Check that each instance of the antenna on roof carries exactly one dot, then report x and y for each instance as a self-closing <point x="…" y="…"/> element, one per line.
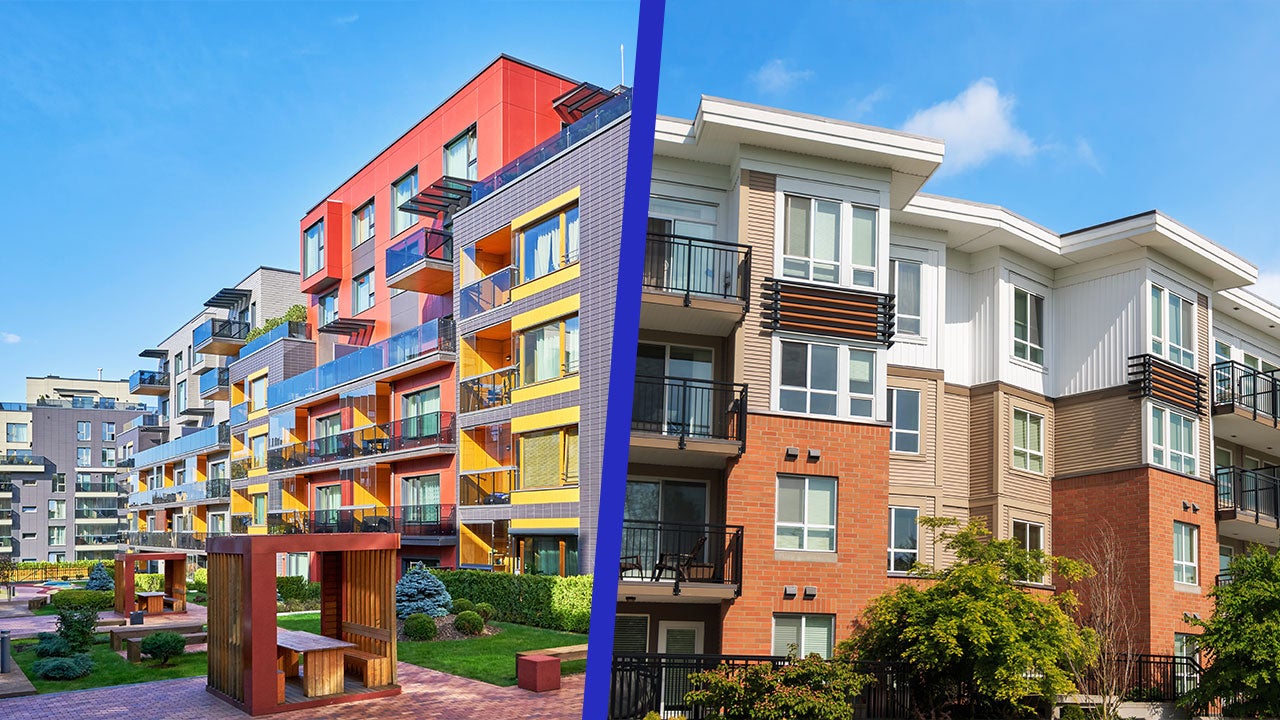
<point x="99" y="373"/>
<point x="622" y="55"/>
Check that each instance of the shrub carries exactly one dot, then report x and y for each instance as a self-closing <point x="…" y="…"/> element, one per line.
<point x="558" y="603"/>
<point x="148" y="582"/>
<point x="63" y="668"/>
<point x="418" y="591"/>
<point x="484" y="610"/>
<point x="51" y="645"/>
<point x="199" y="581"/>
<point x="469" y="623"/>
<point x="77" y="625"/>
<point x="291" y="587"/>
<point x="420" y="626"/>
<point x="163" y="646"/>
<point x="462" y="605"/>
<point x="96" y="599"/>
<point x="296" y="313"/>
<point x="100" y="579"/>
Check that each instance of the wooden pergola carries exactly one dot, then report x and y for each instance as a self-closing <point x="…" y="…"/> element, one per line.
<point x="175" y="583"/>
<point x="255" y="667"/>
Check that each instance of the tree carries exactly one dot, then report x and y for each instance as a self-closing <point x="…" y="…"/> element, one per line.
<point x="810" y="688"/>
<point x="77" y="625"/>
<point x="1107" y="609"/>
<point x="418" y="591"/>
<point x="977" y="639"/>
<point x="1241" y="642"/>
<point x="163" y="646"/>
<point x="8" y="569"/>
<point x="100" y="579"/>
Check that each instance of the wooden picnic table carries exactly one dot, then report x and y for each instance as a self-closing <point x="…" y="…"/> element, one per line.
<point x="152" y="603"/>
<point x="321" y="655"/>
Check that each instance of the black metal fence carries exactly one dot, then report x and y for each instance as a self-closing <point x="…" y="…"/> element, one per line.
<point x="696" y="553"/>
<point x="689" y="408"/>
<point x="1256" y="391"/>
<point x="1152" y="678"/>
<point x="1251" y="494"/>
<point x="421" y="431"/>
<point x="697" y="267"/>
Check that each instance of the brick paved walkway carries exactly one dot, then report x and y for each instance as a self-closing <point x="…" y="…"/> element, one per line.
<point x="22" y="624"/>
<point x="427" y="695"/>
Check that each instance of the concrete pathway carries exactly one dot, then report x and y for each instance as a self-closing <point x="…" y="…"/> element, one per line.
<point x="22" y="624"/>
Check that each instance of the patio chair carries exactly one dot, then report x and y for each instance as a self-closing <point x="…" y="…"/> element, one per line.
<point x="678" y="563"/>
<point x="629" y="563"/>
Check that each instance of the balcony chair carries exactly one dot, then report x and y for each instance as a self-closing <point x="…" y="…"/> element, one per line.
<point x="678" y="563"/>
<point x="629" y="563"/>
<point x="379" y="523"/>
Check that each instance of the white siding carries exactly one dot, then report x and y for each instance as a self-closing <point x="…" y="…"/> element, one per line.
<point x="959" y="324"/>
<point x="1100" y="325"/>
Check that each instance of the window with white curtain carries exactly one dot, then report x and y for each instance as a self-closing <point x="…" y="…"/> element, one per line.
<point x="313" y="249"/>
<point x="1173" y="334"/>
<point x="549" y="244"/>
<point x="806" y="513"/>
<point x="1173" y="440"/>
<point x="402" y="191"/>
<point x="549" y="351"/>
<point x="362" y="293"/>
<point x="1028" y="441"/>
<point x="904" y="285"/>
<point x="362" y="225"/>
<point x="460" y="156"/>
<point x="805" y="634"/>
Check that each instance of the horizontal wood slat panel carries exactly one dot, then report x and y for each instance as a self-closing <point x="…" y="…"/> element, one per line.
<point x="831" y="311"/>
<point x="1154" y="377"/>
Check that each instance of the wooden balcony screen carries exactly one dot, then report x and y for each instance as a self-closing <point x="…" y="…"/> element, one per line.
<point x="831" y="311"/>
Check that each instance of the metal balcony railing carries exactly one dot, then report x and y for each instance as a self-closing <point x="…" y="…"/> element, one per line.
<point x="423" y="244"/>
<point x="488" y="487"/>
<point x="430" y="429"/>
<point x="688" y="408"/>
<point x="218" y="329"/>
<point x="487" y="293"/>
<point x="1153" y="678"/>
<point x="1154" y="377"/>
<point x="697" y="267"/>
<point x="186" y="492"/>
<point x="1222" y="579"/>
<point x="493" y="389"/>
<point x="412" y="520"/>
<point x="702" y="553"/>
<point x="97" y="513"/>
<point x="1249" y="494"/>
<point x="1235" y="385"/>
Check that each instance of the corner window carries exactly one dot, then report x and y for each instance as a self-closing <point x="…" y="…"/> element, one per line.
<point x="328" y="308"/>
<point x="1186" y="540"/>
<point x="904" y="538"/>
<point x="313" y="249"/>
<point x="362" y="293"/>
<point x="805" y="514"/>
<point x="806" y="634"/>
<point x="1173" y="332"/>
<point x="829" y="242"/>
<point x="820" y="379"/>
<point x="548" y="245"/>
<point x="1028" y="326"/>
<point x="904" y="285"/>
<point x="904" y="416"/>
<point x="402" y="191"/>
<point x="1028" y="441"/>
<point x="362" y="226"/>
<point x="460" y="156"/>
<point x="84" y="430"/>
<point x="549" y="351"/>
<point x="1173" y="440"/>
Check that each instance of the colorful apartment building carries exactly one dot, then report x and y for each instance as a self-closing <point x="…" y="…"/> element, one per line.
<point x="827" y="353"/>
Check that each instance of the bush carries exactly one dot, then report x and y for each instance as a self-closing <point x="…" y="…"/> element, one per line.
<point x="462" y="605"/>
<point x="100" y="579"/>
<point x="418" y="591"/>
<point x="199" y="581"/>
<point x="297" y="605"/>
<point x="63" y="668"/>
<point x="469" y="623"/>
<point x="77" y="626"/>
<point x="96" y="599"/>
<point x="291" y="587"/>
<point x="163" y="646"/>
<point x="51" y="645"/>
<point x="484" y="610"/>
<point x="420" y="626"/>
<point x="296" y="313"/>
<point x="558" y="603"/>
<point x="148" y="582"/>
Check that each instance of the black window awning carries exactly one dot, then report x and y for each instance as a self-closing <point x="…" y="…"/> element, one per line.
<point x="227" y="298"/>
<point x="345" y="326"/>
<point x="441" y="197"/>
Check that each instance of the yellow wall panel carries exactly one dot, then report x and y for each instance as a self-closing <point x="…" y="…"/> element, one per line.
<point x="545" y="495"/>
<point x="550" y="280"/>
<point x="548" y="419"/>
<point x="543" y="523"/>
<point x="546" y="389"/>
<point x="545" y="209"/>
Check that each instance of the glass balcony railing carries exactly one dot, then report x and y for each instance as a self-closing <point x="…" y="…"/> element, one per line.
<point x="208" y="438"/>
<point x="430" y="337"/>
<point x="148" y="379"/>
<point x="94" y="403"/>
<point x="425" y="244"/>
<point x="488" y="487"/>
<point x="97" y="487"/>
<point x="215" y="380"/>
<point x="488" y="293"/>
<point x="430" y="429"/>
<point x="186" y="492"/>
<point x="147" y="420"/>
<point x="492" y="389"/>
<point x="111" y="538"/>
<point x="23" y="460"/>
<point x="216" y="329"/>
<point x="291" y="329"/>
<point x="97" y="513"/>
<point x="239" y="414"/>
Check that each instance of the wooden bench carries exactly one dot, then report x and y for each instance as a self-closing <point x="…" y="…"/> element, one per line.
<point x="564" y="654"/>
<point x="37" y="602"/>
<point x="112" y="622"/>
<point x="119" y="635"/>
<point x="374" y="670"/>
<point x="133" y="645"/>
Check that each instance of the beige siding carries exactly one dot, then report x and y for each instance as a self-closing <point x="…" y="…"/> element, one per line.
<point x="1098" y="432"/>
<point x="756" y="229"/>
<point x="919" y="468"/>
<point x="955" y="456"/>
<point x="982" y="432"/>
<point x="1023" y="488"/>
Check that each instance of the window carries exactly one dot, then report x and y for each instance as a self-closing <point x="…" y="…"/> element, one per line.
<point x="218" y="470"/>
<point x="362" y="224"/>
<point x="814" y="241"/>
<point x="402" y="191"/>
<point x="810" y="379"/>
<point x="1187" y="671"/>
<point x="549" y="245"/>
<point x="1186" y="541"/>
<point x="421" y="491"/>
<point x="258" y="446"/>
<point x="108" y="457"/>
<point x="57" y="557"/>
<point x="59" y="482"/>
<point x="1028" y="441"/>
<point x="260" y="507"/>
<point x="217" y="523"/>
<point x="178" y="365"/>
<point x="460" y="156"/>
<point x="328" y="308"/>
<point x="313" y="249"/>
<point x="297" y="564"/>
<point x="57" y="509"/>
<point x="84" y="430"/>
<point x="1028" y="326"/>
<point x="180" y="475"/>
<point x="904" y="416"/>
<point x="84" y="481"/>
<point x="108" y="432"/>
<point x="806" y="513"/>
<point x="549" y="458"/>
<point x="258" y="394"/>
<point x="1173" y="332"/>
<point x="549" y="555"/>
<point x="420" y="413"/>
<point x="904" y="538"/>
<point x="904" y="285"/>
<point x="806" y="634"/>
<point x="1173" y="440"/>
<point x="1221" y="351"/>
<point x="180" y="396"/>
<point x="57" y="535"/>
<point x="1029" y="536"/>
<point x="544" y="356"/>
<point x="84" y="457"/>
<point x="28" y="508"/>
<point x="17" y="432"/>
<point x="631" y="633"/>
<point x="362" y="293"/>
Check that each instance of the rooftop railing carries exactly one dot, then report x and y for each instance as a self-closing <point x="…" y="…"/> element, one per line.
<point x="487" y="293"/>
<point x="697" y="267"/>
<point x="423" y="244"/>
<point x="208" y="438"/>
<point x="290" y="329"/>
<point x="94" y="403"/>
<point x="421" y="431"/>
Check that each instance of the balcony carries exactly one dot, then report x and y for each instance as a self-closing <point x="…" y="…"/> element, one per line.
<point x="697" y="563"/>
<point x="682" y="421"/>
<point x="240" y="523"/>
<point x="219" y="337"/>
<point x="216" y="490"/>
<point x="411" y="521"/>
<point x="215" y="385"/>
<point x="210" y="438"/>
<point x="422" y="262"/>
<point x="289" y="329"/>
<point x="431" y="338"/>
<point x="694" y="286"/>
<point x="13" y="462"/>
<point x="829" y="311"/>
<point x="99" y="513"/>
<point x="98" y="488"/>
<point x="1247" y="504"/>
<point x="492" y="291"/>
<point x="1245" y="403"/>
<point x="89" y="539"/>
<point x="149" y="382"/>
<point x="486" y="391"/>
<point x="433" y="430"/>
<point x="146" y="421"/>
<point x="239" y="414"/>
<point x="487" y="487"/>
<point x="240" y="468"/>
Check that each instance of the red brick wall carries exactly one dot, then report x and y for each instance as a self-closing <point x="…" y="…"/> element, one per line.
<point x="858" y="455"/>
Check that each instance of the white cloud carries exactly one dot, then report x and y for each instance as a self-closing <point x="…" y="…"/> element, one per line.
<point x="977" y="126"/>
<point x="776" y="76"/>
<point x="346" y="19"/>
<point x="1084" y="151"/>
<point x="858" y="108"/>
<point x="9" y="338"/>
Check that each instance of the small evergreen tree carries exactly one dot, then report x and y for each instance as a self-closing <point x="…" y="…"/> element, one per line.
<point x="163" y="646"/>
<point x="100" y="579"/>
<point x="418" y="591"/>
<point x="77" y="625"/>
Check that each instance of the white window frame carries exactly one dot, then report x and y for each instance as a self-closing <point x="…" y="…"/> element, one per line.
<point x="896" y="432"/>
<point x="1193" y="565"/>
<point x="804" y="525"/>
<point x="1028" y="347"/>
<point x="108" y="431"/>
<point x="1027" y="452"/>
<point x="801" y="651"/>
<point x="1161" y="298"/>
<point x="846" y="269"/>
<point x="1185" y="678"/>
<point x="893" y="527"/>
<point x="1160" y="436"/>
<point x="895" y="266"/>
<point x="84" y="430"/>
<point x="1013" y="534"/>
<point x="468" y="137"/>
<point x="844" y="395"/>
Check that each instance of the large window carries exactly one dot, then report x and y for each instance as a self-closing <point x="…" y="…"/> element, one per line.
<point x="904" y="416"/>
<point x="57" y="509"/>
<point x="420" y="491"/>
<point x="328" y="308"/>
<point x="806" y="513"/>
<point x="362" y="226"/>
<point x="258" y="394"/>
<point x="1186" y="541"/>
<point x="904" y="538"/>
<point x="549" y="458"/>
<point x="403" y="191"/>
<point x="549" y="245"/>
<point x="460" y="156"/>
<point x="829" y="242"/>
<point x="1173" y="321"/>
<point x="362" y="293"/>
<point x="420" y="413"/>
<point x="904" y="284"/>
<point x="313" y="249"/>
<point x="17" y="432"/>
<point x="822" y="379"/>
<point x="549" y="351"/>
<point x="57" y="535"/>
<point x="180" y="396"/>
<point x="549" y="555"/>
<point x="1028" y="326"/>
<point x="1173" y="440"/>
<point x="806" y="634"/>
<point x="1028" y="441"/>
<point x="84" y="430"/>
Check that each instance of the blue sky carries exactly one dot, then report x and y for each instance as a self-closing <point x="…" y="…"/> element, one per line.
<point x="1068" y="113"/>
<point x="152" y="153"/>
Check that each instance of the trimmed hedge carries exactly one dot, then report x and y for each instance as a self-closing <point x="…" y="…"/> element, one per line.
<point x="547" y="601"/>
<point x="148" y="582"/>
<point x="43" y="565"/>
<point x="96" y="599"/>
<point x="199" y="582"/>
<point x="484" y="610"/>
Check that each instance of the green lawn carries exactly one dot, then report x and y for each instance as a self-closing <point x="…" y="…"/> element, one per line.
<point x="111" y="669"/>
<point x="491" y="658"/>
